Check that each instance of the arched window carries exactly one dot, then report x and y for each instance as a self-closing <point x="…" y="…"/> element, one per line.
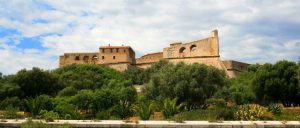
<point x="182" y="50"/>
<point x="114" y="57"/>
<point x="95" y="58"/>
<point x="193" y="47"/>
<point x="86" y="59"/>
<point x="77" y="57"/>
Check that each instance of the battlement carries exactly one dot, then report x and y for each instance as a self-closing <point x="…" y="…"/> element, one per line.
<point x="204" y="51"/>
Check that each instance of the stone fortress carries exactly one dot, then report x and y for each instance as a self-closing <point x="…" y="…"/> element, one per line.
<point x="121" y="58"/>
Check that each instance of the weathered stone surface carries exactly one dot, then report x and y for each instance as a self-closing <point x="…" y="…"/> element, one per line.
<point x="204" y="51"/>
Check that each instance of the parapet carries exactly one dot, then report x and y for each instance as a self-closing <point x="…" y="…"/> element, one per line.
<point x="175" y="44"/>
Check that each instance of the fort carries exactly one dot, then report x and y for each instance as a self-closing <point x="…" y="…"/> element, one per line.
<point x="121" y="58"/>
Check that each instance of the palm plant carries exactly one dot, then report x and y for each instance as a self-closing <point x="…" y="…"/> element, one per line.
<point x="123" y="109"/>
<point x="144" y="110"/>
<point x="170" y="107"/>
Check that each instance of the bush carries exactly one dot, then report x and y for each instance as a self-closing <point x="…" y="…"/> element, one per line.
<point x="49" y="116"/>
<point x="34" y="124"/>
<point x="275" y="109"/>
<point x="144" y="110"/>
<point x="11" y="112"/>
<point x="103" y="115"/>
<point x="123" y="109"/>
<point x="170" y="108"/>
<point x="250" y="112"/>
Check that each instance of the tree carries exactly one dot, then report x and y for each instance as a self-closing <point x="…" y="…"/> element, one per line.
<point x="0" y="75"/>
<point x="241" y="88"/>
<point x="35" y="105"/>
<point x="137" y="75"/>
<point x="277" y="83"/>
<point x="192" y="84"/>
<point x="36" y="82"/>
<point x="87" y="76"/>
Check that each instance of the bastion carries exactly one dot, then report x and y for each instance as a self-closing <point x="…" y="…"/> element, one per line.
<point x="203" y="51"/>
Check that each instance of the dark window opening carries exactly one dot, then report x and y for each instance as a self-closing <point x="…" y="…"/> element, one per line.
<point x="193" y="47"/>
<point x="103" y="57"/>
<point x="111" y="50"/>
<point x="124" y="50"/>
<point x="182" y="50"/>
<point x="114" y="57"/>
<point x="77" y="57"/>
<point x="86" y="59"/>
<point x="103" y="50"/>
<point x="117" y="50"/>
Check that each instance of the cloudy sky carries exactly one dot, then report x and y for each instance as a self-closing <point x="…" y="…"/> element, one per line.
<point x="33" y="33"/>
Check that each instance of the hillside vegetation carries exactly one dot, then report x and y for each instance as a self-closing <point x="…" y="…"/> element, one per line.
<point x="177" y="92"/>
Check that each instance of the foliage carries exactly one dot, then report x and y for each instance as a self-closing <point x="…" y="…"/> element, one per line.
<point x="277" y="83"/>
<point x="64" y="107"/>
<point x="250" y="112"/>
<point x="8" y="88"/>
<point x="10" y="101"/>
<point x="49" y="116"/>
<point x="82" y="77"/>
<point x="192" y="84"/>
<point x="137" y="75"/>
<point x="38" y="124"/>
<point x="170" y="107"/>
<point x="36" y="82"/>
<point x="275" y="109"/>
<point x="123" y="109"/>
<point x="241" y="89"/>
<point x="35" y="105"/>
<point x="11" y="112"/>
<point x="144" y="109"/>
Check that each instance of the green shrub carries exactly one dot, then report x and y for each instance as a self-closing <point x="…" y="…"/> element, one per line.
<point x="39" y="124"/>
<point x="250" y="112"/>
<point x="11" y="112"/>
<point x="123" y="109"/>
<point x="144" y="110"/>
<point x="49" y="116"/>
<point x="170" y="108"/>
<point x="68" y="117"/>
<point x="103" y="115"/>
<point x="225" y="113"/>
<point x="275" y="109"/>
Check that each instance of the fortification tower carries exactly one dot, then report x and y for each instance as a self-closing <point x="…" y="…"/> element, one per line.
<point x="117" y="57"/>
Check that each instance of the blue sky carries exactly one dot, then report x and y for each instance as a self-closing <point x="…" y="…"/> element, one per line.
<point x="33" y="33"/>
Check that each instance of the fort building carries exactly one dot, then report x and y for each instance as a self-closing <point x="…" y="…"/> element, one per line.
<point x="121" y="58"/>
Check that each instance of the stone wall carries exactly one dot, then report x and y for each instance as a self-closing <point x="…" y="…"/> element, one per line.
<point x="116" y="54"/>
<point x="78" y="58"/>
<point x="120" y="66"/>
<point x="203" y="51"/>
<point x="234" y="67"/>
<point x="201" y="48"/>
<point x="147" y="60"/>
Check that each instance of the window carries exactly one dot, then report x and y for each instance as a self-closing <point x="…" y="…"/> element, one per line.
<point x="193" y="47"/>
<point x="124" y="50"/>
<point x="114" y="57"/>
<point x="102" y="50"/>
<point x="103" y="57"/>
<point x="86" y="59"/>
<point x="77" y="57"/>
<point x="111" y="50"/>
<point x="117" y="50"/>
<point x="182" y="50"/>
<point x="94" y="58"/>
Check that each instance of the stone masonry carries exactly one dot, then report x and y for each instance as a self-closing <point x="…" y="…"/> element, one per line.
<point x="203" y="51"/>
